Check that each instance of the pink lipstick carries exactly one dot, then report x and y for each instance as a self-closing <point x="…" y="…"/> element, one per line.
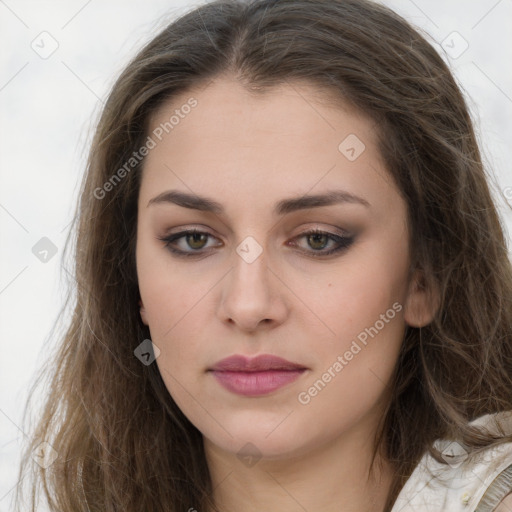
<point x="256" y="376"/>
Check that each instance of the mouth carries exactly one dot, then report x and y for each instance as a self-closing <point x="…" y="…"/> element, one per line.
<point x="257" y="376"/>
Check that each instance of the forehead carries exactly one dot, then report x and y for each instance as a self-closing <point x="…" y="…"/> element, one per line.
<point x="236" y="111"/>
<point x="293" y="138"/>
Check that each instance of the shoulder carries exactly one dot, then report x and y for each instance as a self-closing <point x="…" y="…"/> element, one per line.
<point x="476" y="483"/>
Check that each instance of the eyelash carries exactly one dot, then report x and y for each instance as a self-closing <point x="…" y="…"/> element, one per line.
<point x="344" y="242"/>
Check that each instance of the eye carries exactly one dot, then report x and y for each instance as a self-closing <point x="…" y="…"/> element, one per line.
<point x="319" y="240"/>
<point x="181" y="243"/>
<point x="192" y="239"/>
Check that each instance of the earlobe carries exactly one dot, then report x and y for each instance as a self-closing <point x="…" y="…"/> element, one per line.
<point x="422" y="302"/>
<point x="143" y="313"/>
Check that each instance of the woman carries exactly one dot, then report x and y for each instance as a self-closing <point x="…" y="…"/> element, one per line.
<point x="293" y="288"/>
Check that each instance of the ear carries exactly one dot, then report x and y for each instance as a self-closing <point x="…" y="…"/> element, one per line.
<point x="143" y="313"/>
<point x="422" y="301"/>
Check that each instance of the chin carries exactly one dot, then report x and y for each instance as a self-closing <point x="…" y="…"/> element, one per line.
<point x="254" y="440"/>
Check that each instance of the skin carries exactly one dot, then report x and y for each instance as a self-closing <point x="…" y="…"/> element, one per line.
<point x="505" y="505"/>
<point x="248" y="153"/>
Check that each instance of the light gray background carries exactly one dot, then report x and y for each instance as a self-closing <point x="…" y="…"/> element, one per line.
<point x="49" y="106"/>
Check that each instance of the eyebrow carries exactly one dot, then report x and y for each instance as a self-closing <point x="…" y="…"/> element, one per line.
<point x="195" y="202"/>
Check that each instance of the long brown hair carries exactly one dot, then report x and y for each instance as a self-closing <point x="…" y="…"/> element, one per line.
<point x="122" y="442"/>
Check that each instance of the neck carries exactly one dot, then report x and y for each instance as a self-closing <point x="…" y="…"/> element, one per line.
<point x="331" y="477"/>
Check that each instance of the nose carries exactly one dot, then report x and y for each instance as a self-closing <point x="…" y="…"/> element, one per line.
<point x="253" y="295"/>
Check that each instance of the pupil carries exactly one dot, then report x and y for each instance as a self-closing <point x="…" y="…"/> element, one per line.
<point x="196" y="238"/>
<point x="317" y="238"/>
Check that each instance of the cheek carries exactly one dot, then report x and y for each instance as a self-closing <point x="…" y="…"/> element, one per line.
<point x="177" y="324"/>
<point x="363" y="307"/>
<point x="172" y="301"/>
<point x="355" y="299"/>
<point x="354" y="367"/>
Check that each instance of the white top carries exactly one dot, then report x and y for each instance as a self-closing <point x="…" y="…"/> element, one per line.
<point x="465" y="483"/>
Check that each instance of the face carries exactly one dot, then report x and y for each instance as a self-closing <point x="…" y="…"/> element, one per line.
<point x="319" y="283"/>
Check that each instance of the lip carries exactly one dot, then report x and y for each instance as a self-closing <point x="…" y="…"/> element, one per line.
<point x="263" y="362"/>
<point x="255" y="376"/>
